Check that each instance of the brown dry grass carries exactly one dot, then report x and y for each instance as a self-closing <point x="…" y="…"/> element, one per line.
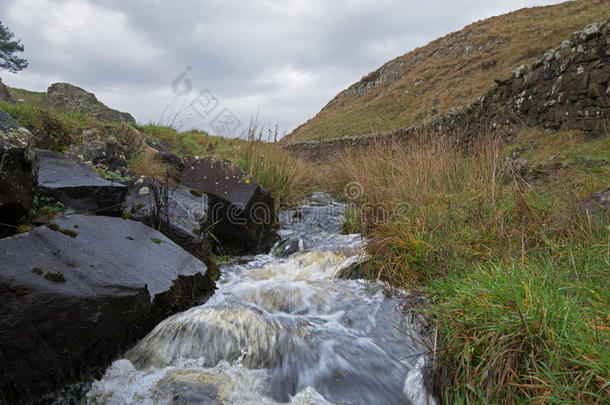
<point x="147" y="164"/>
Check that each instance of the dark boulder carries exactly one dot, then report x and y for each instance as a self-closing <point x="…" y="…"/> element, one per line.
<point x="16" y="185"/>
<point x="77" y="293"/>
<point x="5" y="95"/>
<point x="96" y="147"/>
<point x="66" y="97"/>
<point x="242" y="212"/>
<point x="179" y="214"/>
<point x="171" y="160"/>
<point x="286" y="247"/>
<point x="76" y="185"/>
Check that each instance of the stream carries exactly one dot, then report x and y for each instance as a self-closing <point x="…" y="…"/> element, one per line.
<point x="282" y="330"/>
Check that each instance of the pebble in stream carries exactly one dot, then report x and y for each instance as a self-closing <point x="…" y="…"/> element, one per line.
<point x="280" y="330"/>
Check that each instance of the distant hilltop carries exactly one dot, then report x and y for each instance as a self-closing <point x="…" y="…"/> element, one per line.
<point x="449" y="72"/>
<point x="65" y="97"/>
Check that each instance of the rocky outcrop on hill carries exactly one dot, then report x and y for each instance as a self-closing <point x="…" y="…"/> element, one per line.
<point x="242" y="212"/>
<point x="79" y="291"/>
<point x="566" y="88"/>
<point x="16" y="184"/>
<point x="66" y="97"/>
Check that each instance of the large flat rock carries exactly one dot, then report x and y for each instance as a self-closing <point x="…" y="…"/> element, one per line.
<point x="241" y="210"/>
<point x="76" y="185"/>
<point x="77" y="293"/>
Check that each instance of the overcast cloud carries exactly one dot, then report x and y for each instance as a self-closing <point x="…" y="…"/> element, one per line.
<point x="283" y="58"/>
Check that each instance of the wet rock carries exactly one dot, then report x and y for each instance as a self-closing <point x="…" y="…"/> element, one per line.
<point x="287" y="247"/>
<point x="74" y="297"/>
<point x="16" y="184"/>
<point x="171" y="160"/>
<point x="355" y="271"/>
<point x="179" y="214"/>
<point x="187" y="392"/>
<point x="66" y="97"/>
<point x="76" y="185"/>
<point x="242" y="212"/>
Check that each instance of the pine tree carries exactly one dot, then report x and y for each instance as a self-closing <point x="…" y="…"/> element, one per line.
<point x="8" y="47"/>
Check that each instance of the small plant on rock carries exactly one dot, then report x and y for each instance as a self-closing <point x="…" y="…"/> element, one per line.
<point x="113" y="175"/>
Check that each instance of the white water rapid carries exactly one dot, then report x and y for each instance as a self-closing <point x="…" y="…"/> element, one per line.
<point x="281" y="330"/>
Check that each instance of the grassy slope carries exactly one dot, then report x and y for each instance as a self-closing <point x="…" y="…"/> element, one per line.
<point x="518" y="280"/>
<point x="30" y="97"/>
<point x="287" y="178"/>
<point x="450" y="71"/>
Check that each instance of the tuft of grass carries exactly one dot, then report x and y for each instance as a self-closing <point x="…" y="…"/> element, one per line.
<point x="536" y="331"/>
<point x="517" y="274"/>
<point x="288" y="179"/>
<point x="146" y="164"/>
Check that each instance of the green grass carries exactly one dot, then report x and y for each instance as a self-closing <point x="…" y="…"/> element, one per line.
<point x="568" y="146"/>
<point x="34" y="98"/>
<point x="196" y="143"/>
<point x="536" y="331"/>
<point x="62" y="127"/>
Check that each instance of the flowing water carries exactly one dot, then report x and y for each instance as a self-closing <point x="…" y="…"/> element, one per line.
<point x="281" y="330"/>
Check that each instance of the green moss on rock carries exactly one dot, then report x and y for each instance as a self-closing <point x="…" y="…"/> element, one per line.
<point x="55" y="277"/>
<point x="69" y="232"/>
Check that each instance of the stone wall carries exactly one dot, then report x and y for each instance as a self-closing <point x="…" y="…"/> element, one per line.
<point x="566" y="88"/>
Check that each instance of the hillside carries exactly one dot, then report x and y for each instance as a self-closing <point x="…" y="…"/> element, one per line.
<point x="448" y="72"/>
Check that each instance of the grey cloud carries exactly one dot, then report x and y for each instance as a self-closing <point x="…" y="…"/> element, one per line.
<point x="284" y="58"/>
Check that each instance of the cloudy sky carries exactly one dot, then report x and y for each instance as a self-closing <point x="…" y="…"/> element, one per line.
<point x="187" y="62"/>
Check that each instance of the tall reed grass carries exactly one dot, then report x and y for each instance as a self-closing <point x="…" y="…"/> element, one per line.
<point x="289" y="179"/>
